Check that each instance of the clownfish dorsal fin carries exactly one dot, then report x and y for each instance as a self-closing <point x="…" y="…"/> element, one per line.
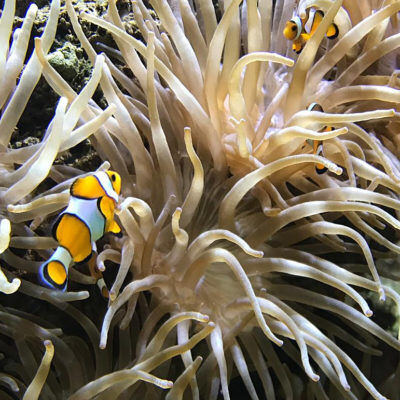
<point x="87" y="187"/>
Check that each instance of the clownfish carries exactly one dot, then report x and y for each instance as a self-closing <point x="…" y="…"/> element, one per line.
<point x="295" y="29"/>
<point x="317" y="144"/>
<point x="88" y="216"/>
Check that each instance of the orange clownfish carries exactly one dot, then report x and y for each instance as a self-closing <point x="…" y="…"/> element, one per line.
<point x="295" y="29"/>
<point x="317" y="144"/>
<point x="88" y="216"/>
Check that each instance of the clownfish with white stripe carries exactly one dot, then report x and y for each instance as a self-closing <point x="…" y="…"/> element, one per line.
<point x="317" y="144"/>
<point x="88" y="216"/>
<point x="295" y="29"/>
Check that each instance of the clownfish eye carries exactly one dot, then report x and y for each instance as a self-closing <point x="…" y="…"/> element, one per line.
<point x="113" y="178"/>
<point x="294" y="27"/>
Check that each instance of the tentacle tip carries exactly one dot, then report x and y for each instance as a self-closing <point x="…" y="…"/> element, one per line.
<point x="368" y="313"/>
<point x="205" y="318"/>
<point x="346" y="387"/>
<point x="382" y="295"/>
<point x="258" y="254"/>
<point x="112" y="295"/>
<point x="315" y="377"/>
<point x="278" y="342"/>
<point x="33" y="8"/>
<point x="336" y="170"/>
<point x="102" y="346"/>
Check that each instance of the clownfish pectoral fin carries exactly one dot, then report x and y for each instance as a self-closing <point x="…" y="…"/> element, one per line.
<point x="106" y="206"/>
<point x="54" y="272"/>
<point x="297" y="47"/>
<point x="87" y="187"/>
<point x="115" y="228"/>
<point x="298" y="44"/>
<point x="73" y="234"/>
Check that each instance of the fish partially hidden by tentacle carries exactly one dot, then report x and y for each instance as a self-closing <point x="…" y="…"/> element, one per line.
<point x="317" y="144"/>
<point x="88" y="216"/>
<point x="97" y="274"/>
<point x="295" y="29"/>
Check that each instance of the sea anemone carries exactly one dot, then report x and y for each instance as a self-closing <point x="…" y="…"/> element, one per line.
<point x="238" y="257"/>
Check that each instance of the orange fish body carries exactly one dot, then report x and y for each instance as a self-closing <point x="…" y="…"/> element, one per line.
<point x="295" y="29"/>
<point x="88" y="216"/>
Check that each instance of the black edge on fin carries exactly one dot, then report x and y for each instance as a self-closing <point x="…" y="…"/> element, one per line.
<point x="55" y="226"/>
<point x="321" y="171"/>
<point x="117" y="234"/>
<point x="44" y="278"/>
<point x="85" y="260"/>
<point x="336" y="34"/>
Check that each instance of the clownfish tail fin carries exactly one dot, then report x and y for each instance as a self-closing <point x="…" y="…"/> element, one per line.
<point x="333" y="31"/>
<point x="54" y="272"/>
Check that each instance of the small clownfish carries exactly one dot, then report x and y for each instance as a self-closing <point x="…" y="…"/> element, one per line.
<point x="88" y="216"/>
<point x="317" y="144"/>
<point x="295" y="29"/>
